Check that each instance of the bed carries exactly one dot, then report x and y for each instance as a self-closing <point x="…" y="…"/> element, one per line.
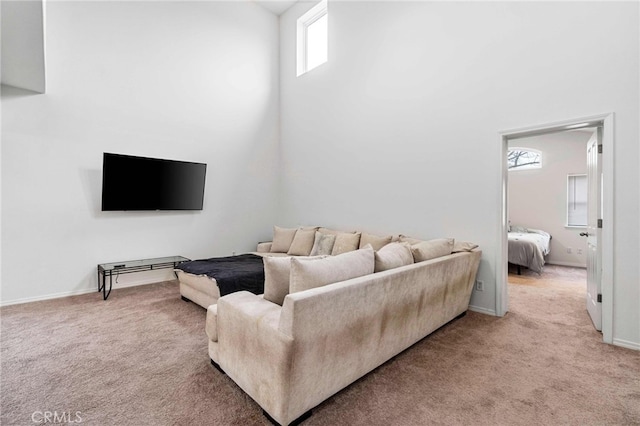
<point x="528" y="247"/>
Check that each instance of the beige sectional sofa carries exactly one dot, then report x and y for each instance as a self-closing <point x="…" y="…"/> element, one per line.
<point x="325" y="321"/>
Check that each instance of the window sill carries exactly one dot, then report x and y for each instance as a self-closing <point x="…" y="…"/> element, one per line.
<point x="576" y="226"/>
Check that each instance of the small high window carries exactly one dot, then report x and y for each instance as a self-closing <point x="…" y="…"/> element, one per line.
<point x="577" y="200"/>
<point x="313" y="38"/>
<point x="524" y="158"/>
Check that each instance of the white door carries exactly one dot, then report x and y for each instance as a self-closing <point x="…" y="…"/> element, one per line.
<point x="594" y="230"/>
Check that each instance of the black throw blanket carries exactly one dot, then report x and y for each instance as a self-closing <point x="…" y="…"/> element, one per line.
<point x="234" y="273"/>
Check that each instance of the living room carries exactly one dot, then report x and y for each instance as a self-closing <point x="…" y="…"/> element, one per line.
<point x="399" y="131"/>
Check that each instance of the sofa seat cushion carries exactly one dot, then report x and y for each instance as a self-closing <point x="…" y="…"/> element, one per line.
<point x="307" y="273"/>
<point x="393" y="255"/>
<point x="262" y="254"/>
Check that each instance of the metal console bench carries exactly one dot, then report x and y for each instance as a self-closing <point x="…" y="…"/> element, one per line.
<point x="108" y="269"/>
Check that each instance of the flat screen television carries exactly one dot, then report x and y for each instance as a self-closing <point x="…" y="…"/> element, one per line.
<point x="142" y="183"/>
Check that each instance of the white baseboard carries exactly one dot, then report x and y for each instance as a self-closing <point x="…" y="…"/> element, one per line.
<point x="482" y="310"/>
<point x="152" y="278"/>
<point x="627" y="344"/>
<point x="573" y="265"/>
<point x="47" y="297"/>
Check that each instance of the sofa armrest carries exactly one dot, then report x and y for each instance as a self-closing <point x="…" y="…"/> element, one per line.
<point x="211" y="325"/>
<point x="264" y="247"/>
<point x="250" y="307"/>
<point x="253" y="352"/>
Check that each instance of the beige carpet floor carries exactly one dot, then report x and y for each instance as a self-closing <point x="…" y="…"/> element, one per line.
<point x="140" y="358"/>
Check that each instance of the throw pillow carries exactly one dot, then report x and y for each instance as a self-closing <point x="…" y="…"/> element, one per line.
<point x="328" y="231"/>
<point x="431" y="249"/>
<point x="346" y="242"/>
<point x="277" y="271"/>
<point x="282" y="238"/>
<point x="410" y="240"/>
<point x="460" y="246"/>
<point x="302" y="242"/>
<point x="323" y="244"/>
<point x="307" y="273"/>
<point x="519" y="229"/>
<point x="376" y="242"/>
<point x="276" y="278"/>
<point x="393" y="255"/>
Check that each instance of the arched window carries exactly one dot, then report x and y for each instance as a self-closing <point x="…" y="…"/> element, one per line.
<point x="524" y="158"/>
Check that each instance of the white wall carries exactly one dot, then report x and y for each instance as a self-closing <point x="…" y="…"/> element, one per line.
<point x="23" y="45"/>
<point x="538" y="197"/>
<point x="194" y="81"/>
<point x="398" y="132"/>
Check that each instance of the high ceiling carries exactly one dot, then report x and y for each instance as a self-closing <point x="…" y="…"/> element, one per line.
<point x="276" y="7"/>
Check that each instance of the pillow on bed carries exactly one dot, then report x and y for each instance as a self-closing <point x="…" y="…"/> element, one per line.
<point x="282" y="238"/>
<point x="518" y="228"/>
<point x="431" y="249"/>
<point x="307" y="273"/>
<point x="393" y="255"/>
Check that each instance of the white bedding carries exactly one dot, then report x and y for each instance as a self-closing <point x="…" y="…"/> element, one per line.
<point x="528" y="247"/>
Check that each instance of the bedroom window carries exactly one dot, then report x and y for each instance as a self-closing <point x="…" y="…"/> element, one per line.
<point x="577" y="200"/>
<point x="312" y="38"/>
<point x="524" y="158"/>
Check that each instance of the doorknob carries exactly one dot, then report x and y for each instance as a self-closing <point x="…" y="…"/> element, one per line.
<point x="584" y="234"/>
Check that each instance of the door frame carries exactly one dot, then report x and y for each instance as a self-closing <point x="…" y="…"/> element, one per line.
<point x="606" y="122"/>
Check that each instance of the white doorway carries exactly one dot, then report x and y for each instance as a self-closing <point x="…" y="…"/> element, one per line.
<point x="604" y="237"/>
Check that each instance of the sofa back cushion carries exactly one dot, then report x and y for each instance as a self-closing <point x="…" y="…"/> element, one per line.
<point x="393" y="255"/>
<point x="307" y="273"/>
<point x="431" y="249"/>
